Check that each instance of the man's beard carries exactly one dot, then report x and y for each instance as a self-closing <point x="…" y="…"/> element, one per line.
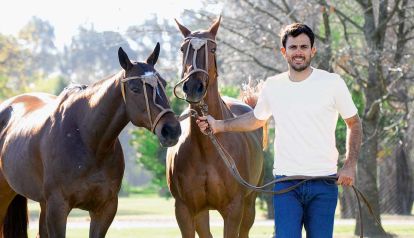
<point x="300" y="68"/>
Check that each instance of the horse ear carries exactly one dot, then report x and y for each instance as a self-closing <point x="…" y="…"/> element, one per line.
<point x="123" y="59"/>
<point x="214" y="28"/>
<point x="152" y="59"/>
<point x="183" y="29"/>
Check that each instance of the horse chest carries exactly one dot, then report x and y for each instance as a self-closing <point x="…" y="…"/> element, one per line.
<point x="205" y="187"/>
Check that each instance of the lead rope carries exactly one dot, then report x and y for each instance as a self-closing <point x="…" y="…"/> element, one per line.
<point x="231" y="165"/>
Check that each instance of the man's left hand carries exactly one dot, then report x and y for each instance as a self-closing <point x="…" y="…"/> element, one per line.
<point x="346" y="176"/>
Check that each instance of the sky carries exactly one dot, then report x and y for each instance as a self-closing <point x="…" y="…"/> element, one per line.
<point x="66" y="16"/>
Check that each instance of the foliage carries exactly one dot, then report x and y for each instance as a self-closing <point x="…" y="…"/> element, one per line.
<point x="230" y="90"/>
<point x="38" y="36"/>
<point x="93" y="55"/>
<point x="5" y="91"/>
<point x="340" y="132"/>
<point x="149" y="155"/>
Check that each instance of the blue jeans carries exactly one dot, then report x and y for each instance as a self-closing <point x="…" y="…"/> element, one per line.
<point x="311" y="205"/>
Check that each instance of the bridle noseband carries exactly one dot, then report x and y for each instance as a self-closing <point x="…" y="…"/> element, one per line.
<point x="196" y="43"/>
<point x="153" y="80"/>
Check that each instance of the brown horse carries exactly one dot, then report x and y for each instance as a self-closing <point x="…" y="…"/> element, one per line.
<point x="64" y="151"/>
<point x="197" y="177"/>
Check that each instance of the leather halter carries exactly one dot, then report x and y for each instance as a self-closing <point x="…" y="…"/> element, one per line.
<point x="153" y="80"/>
<point x="196" y="43"/>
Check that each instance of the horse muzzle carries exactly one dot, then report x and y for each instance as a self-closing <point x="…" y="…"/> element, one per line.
<point x="195" y="88"/>
<point x="168" y="130"/>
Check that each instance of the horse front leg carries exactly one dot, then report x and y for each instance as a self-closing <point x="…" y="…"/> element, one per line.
<point x="232" y="216"/>
<point x="102" y="217"/>
<point x="42" y="222"/>
<point x="185" y="219"/>
<point x="249" y="213"/>
<point x="57" y="211"/>
<point x="202" y="222"/>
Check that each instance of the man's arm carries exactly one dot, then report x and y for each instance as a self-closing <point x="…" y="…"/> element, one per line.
<point x="245" y="122"/>
<point x="346" y="175"/>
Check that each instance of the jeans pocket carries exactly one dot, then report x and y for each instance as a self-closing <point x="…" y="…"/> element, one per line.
<point x="329" y="182"/>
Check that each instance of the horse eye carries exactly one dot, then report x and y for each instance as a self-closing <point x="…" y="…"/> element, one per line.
<point x="182" y="49"/>
<point x="134" y="87"/>
<point x="213" y="50"/>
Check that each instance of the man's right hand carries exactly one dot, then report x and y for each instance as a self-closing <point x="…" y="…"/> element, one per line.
<point x="208" y="122"/>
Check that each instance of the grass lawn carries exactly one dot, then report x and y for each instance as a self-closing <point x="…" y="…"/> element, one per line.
<point x="158" y="213"/>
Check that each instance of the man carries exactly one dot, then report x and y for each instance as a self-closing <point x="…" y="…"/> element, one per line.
<point x="304" y="102"/>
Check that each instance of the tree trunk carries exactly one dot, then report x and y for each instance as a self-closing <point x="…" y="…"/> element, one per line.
<point x="388" y="187"/>
<point x="407" y="197"/>
<point x="396" y="184"/>
<point x="404" y="183"/>
<point x="367" y="179"/>
<point x="348" y="203"/>
<point x="374" y="33"/>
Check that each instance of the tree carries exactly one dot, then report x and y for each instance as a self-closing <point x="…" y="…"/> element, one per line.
<point x="38" y="37"/>
<point x="154" y="30"/>
<point x="12" y="65"/>
<point x="92" y="55"/>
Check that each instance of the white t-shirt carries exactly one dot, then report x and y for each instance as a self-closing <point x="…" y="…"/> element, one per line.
<point x="305" y="115"/>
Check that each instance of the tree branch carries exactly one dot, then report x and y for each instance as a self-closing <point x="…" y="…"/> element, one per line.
<point x="246" y="38"/>
<point x="255" y="59"/>
<point x="343" y="15"/>
<point x="272" y="16"/>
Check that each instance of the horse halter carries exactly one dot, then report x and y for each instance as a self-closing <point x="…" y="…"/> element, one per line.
<point x="196" y="43"/>
<point x="153" y="80"/>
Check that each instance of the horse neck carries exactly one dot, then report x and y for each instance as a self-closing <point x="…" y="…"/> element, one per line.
<point x="106" y="115"/>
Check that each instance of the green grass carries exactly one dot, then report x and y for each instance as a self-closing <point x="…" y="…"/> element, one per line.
<point x="256" y="232"/>
<point x="155" y="233"/>
<point x="149" y="207"/>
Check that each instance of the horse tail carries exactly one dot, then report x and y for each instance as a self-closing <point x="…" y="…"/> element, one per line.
<point x="5" y="116"/>
<point x="16" y="219"/>
<point x="249" y="95"/>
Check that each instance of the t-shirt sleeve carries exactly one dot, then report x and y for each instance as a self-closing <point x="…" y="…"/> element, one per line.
<point x="262" y="110"/>
<point x="343" y="100"/>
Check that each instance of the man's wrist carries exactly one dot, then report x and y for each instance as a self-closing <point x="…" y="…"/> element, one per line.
<point x="221" y="126"/>
<point x="350" y="163"/>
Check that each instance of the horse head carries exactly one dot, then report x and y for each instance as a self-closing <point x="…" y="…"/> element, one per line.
<point x="199" y="61"/>
<point x="146" y="102"/>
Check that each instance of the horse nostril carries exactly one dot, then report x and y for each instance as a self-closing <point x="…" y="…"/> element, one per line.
<point x="185" y="87"/>
<point x="200" y="88"/>
<point x="169" y="131"/>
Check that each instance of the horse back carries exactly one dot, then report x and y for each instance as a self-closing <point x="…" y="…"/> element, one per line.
<point x="22" y="112"/>
<point x="238" y="108"/>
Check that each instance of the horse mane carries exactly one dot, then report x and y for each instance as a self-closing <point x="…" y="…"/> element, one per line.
<point x="71" y="89"/>
<point x="249" y="95"/>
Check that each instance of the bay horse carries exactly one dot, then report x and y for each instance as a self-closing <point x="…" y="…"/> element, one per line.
<point x="64" y="152"/>
<point x="197" y="177"/>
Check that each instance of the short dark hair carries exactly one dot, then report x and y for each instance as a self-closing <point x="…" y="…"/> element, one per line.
<point x="294" y="30"/>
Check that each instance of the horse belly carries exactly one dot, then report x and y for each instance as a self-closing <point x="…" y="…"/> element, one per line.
<point x="94" y="193"/>
<point x="22" y="170"/>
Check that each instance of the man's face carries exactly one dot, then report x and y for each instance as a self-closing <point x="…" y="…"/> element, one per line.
<point x="298" y="52"/>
